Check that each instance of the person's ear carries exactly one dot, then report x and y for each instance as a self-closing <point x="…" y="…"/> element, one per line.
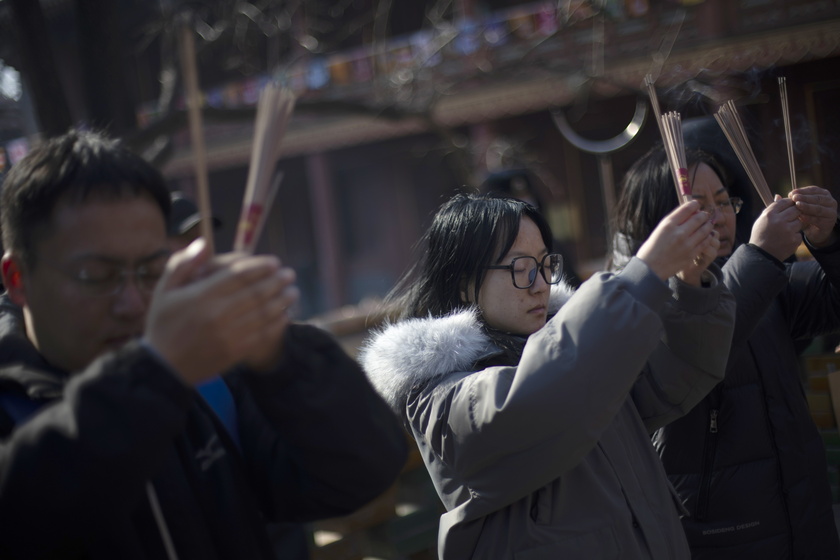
<point x="10" y="268"/>
<point x="464" y="291"/>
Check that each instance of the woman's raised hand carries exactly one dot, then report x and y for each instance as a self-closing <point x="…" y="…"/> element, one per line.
<point x="684" y="242"/>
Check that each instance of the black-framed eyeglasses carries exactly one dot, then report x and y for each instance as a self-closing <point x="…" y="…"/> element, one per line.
<point x="734" y="203"/>
<point x="523" y="270"/>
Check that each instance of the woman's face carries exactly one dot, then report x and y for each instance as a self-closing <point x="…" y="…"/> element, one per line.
<point x="707" y="188"/>
<point x="506" y="307"/>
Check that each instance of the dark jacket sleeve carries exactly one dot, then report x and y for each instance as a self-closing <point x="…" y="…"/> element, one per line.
<point x="812" y="300"/>
<point x="807" y="292"/>
<point x="87" y="455"/>
<point x="317" y="440"/>
<point x="755" y="279"/>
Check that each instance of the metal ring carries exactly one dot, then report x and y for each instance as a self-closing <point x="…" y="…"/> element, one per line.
<point x="601" y="147"/>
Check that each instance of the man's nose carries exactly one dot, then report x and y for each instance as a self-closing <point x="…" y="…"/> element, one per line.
<point x="130" y="299"/>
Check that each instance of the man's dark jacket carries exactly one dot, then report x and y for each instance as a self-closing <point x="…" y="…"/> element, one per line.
<point x="82" y="477"/>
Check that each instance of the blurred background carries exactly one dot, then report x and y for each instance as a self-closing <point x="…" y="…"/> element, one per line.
<point x="402" y="103"/>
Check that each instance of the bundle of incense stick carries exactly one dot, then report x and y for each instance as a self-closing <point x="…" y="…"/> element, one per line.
<point x="670" y="128"/>
<point x="788" y="133"/>
<point x="730" y="122"/>
<point x="672" y="138"/>
<point x="274" y="108"/>
<point x="263" y="218"/>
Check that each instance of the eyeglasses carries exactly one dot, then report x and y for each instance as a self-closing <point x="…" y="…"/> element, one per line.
<point x="523" y="270"/>
<point x="734" y="203"/>
<point x="103" y="278"/>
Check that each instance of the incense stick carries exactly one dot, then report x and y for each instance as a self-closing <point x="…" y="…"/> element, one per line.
<point x="271" y="194"/>
<point x="730" y="122"/>
<point x="788" y="132"/>
<point x="274" y="108"/>
<point x="186" y="45"/>
<point x="670" y="129"/>
<point x="675" y="149"/>
<point x="654" y="103"/>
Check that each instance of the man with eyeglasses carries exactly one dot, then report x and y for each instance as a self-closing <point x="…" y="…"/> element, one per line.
<point x="108" y="451"/>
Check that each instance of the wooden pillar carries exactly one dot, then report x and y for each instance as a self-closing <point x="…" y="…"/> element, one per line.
<point x="605" y="172"/>
<point x="481" y="138"/>
<point x="39" y="68"/>
<point x="325" y="229"/>
<point x="578" y="200"/>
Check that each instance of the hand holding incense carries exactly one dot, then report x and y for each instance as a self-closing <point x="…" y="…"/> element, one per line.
<point x="274" y="109"/>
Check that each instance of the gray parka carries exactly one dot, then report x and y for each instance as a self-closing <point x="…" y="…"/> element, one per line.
<point x="552" y="458"/>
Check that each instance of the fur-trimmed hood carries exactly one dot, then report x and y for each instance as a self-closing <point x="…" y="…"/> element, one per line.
<point x="401" y="355"/>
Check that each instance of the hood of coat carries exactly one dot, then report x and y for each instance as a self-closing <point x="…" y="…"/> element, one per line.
<point x="402" y="355"/>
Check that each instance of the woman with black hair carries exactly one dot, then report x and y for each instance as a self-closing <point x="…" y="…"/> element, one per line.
<point x="531" y="405"/>
<point x="748" y="461"/>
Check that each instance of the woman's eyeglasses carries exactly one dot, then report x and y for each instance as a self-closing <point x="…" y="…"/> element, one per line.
<point x="733" y="203"/>
<point x="523" y="270"/>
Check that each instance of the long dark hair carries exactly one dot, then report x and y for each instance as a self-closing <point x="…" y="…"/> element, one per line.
<point x="648" y="194"/>
<point x="468" y="233"/>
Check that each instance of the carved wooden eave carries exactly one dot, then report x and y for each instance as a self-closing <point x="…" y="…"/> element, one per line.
<point x="722" y="58"/>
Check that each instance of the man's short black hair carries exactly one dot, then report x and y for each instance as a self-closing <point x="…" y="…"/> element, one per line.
<point x="77" y="165"/>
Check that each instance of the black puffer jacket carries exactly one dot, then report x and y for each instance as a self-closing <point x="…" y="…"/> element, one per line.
<point x="748" y="460"/>
<point x="77" y="479"/>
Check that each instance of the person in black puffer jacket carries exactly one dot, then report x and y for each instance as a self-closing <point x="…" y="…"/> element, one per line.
<point x="748" y="460"/>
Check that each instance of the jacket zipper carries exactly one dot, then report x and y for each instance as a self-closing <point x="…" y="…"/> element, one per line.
<point x="713" y="428"/>
<point x="709" y="449"/>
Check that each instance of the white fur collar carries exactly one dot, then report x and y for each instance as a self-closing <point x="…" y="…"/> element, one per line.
<point x="401" y="355"/>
